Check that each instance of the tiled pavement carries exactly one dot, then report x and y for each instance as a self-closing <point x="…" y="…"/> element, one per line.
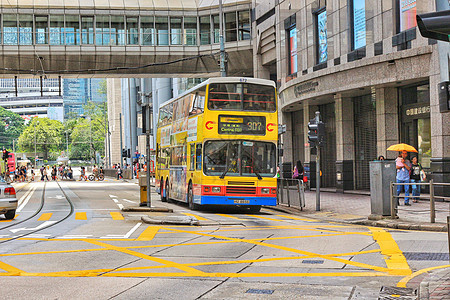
<point x="436" y="286"/>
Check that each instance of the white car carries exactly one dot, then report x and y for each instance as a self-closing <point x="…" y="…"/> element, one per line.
<point x="8" y="200"/>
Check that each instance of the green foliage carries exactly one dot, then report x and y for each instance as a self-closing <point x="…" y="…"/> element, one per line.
<point x="11" y="127"/>
<point x="47" y="133"/>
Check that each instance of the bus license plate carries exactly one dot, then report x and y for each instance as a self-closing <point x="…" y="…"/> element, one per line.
<point x="241" y="201"/>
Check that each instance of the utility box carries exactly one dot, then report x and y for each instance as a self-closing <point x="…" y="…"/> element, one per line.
<point x="143" y="189"/>
<point x="382" y="173"/>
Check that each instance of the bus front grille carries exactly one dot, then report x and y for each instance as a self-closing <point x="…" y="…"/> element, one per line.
<point x="240" y="190"/>
<point x="241" y="183"/>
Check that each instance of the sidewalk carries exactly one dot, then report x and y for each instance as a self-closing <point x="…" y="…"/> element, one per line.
<point x="351" y="208"/>
<point x="436" y="285"/>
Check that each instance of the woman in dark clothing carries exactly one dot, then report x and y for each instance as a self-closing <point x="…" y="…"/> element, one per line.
<point x="415" y="175"/>
<point x="298" y="170"/>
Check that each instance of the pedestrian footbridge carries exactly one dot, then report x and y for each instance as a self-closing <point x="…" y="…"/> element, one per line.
<point x="123" y="38"/>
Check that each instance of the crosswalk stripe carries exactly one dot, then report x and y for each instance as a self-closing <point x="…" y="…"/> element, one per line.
<point x="45" y="217"/>
<point x="265" y="218"/>
<point x="232" y="217"/>
<point x="80" y="216"/>
<point x="195" y="216"/>
<point x="116" y="215"/>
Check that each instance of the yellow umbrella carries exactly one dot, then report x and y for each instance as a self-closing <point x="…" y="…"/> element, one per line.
<point x="402" y="147"/>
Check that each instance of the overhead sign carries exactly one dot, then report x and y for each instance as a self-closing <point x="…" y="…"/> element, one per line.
<point x="242" y="125"/>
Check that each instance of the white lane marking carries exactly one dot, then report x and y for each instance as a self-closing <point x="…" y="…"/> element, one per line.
<point x="65" y="210"/>
<point x="3" y="235"/>
<point x="45" y="224"/>
<point x="70" y="236"/>
<point x="112" y="196"/>
<point x="120" y="206"/>
<point x="115" y="200"/>
<point x="125" y="236"/>
<point x="59" y="197"/>
<point x="129" y="201"/>
<point x="25" y="202"/>
<point x="132" y="230"/>
<point x="26" y="194"/>
<point x="36" y="235"/>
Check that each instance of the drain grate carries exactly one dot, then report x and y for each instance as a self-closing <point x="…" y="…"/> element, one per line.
<point x="397" y="293"/>
<point x="426" y="256"/>
<point x="311" y="261"/>
<point x="258" y="291"/>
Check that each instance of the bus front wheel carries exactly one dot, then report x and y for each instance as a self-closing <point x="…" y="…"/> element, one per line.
<point x="254" y="208"/>
<point x="192" y="205"/>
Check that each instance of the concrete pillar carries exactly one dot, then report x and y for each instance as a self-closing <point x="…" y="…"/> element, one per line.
<point x="306" y="118"/>
<point x="114" y="102"/>
<point x="345" y="143"/>
<point x="286" y="119"/>
<point x="387" y="120"/>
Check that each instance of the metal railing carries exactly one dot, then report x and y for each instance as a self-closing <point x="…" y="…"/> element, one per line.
<point x="432" y="197"/>
<point x="291" y="192"/>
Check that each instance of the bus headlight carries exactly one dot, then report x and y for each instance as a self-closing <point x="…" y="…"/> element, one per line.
<point x="216" y="189"/>
<point x="265" y="191"/>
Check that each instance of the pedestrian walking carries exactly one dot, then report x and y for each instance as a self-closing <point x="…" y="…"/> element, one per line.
<point x="119" y="173"/>
<point x="54" y="172"/>
<point x="417" y="175"/>
<point x="297" y="173"/>
<point x="403" y="166"/>
<point x="32" y="174"/>
<point x="83" y="174"/>
<point x="44" y="174"/>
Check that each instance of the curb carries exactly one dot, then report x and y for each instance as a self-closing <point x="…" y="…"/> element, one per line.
<point x="147" y="209"/>
<point x="379" y="222"/>
<point x="174" y="220"/>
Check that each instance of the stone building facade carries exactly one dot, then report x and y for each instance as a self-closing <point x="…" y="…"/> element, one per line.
<point x="364" y="65"/>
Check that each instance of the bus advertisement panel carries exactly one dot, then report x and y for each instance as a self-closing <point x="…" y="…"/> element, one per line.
<point x="216" y="144"/>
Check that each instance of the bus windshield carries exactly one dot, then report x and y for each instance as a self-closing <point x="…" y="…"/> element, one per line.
<point x="241" y="96"/>
<point x="239" y="158"/>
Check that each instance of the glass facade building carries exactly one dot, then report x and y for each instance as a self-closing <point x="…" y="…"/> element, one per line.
<point x="78" y="92"/>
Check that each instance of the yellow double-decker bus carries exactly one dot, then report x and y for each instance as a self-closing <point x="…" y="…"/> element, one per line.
<point x="216" y="144"/>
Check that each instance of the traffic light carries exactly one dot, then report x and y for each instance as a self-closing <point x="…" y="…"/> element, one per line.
<point x="129" y="153"/>
<point x="5" y="154"/>
<point x="435" y="25"/>
<point x="313" y="136"/>
<point x="124" y="152"/>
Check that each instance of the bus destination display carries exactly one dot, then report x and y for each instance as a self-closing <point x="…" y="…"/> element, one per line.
<point x="242" y="125"/>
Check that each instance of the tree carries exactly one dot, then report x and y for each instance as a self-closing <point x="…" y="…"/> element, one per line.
<point x="11" y="127"/>
<point x="49" y="136"/>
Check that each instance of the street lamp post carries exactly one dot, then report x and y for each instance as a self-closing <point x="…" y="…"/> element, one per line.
<point x="35" y="160"/>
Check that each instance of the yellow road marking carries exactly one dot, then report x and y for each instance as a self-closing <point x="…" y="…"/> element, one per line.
<point x="115" y="215"/>
<point x="395" y="261"/>
<point x="189" y="271"/>
<point x="295" y="218"/>
<point x="148" y="234"/>
<point x="80" y="216"/>
<point x="228" y="216"/>
<point x="265" y="218"/>
<point x="195" y="216"/>
<point x="12" y="271"/>
<point x="55" y="252"/>
<point x="405" y="280"/>
<point x="348" y="262"/>
<point x="45" y="217"/>
<point x="15" y="216"/>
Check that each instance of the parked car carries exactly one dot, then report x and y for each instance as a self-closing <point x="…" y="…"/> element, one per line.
<point x="8" y="200"/>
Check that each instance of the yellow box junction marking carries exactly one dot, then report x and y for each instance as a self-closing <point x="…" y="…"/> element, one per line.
<point x="395" y="260"/>
<point x="195" y="216"/>
<point x="148" y="234"/>
<point x="265" y="218"/>
<point x="231" y="217"/>
<point x="116" y="215"/>
<point x="45" y="217"/>
<point x="296" y="218"/>
<point x="80" y="216"/>
<point x="12" y="271"/>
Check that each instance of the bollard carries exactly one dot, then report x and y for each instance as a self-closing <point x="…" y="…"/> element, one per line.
<point x="143" y="199"/>
<point x="391" y="189"/>
<point x="432" y="207"/>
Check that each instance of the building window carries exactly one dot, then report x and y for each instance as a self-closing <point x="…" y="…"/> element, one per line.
<point x="72" y="29"/>
<point x="216" y="24"/>
<point x="147" y="31"/>
<point x="87" y="30"/>
<point x="10" y="29"/>
<point x="162" y="29"/>
<point x="25" y="29"/>
<point x="230" y="27"/>
<point x="190" y="31"/>
<point x="132" y="31"/>
<point x="102" y="33"/>
<point x="359" y="24"/>
<point x="244" y="25"/>
<point x="322" y="43"/>
<point x="175" y="31"/>
<point x="117" y="31"/>
<point x="41" y="23"/>
<point x="292" y="45"/>
<point x="407" y="14"/>
<point x="205" y="30"/>
<point x="57" y="30"/>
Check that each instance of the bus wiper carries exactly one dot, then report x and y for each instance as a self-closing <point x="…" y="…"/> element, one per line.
<point x="224" y="173"/>
<point x="257" y="174"/>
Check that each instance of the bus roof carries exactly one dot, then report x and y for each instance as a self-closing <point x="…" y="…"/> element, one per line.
<point x="222" y="80"/>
